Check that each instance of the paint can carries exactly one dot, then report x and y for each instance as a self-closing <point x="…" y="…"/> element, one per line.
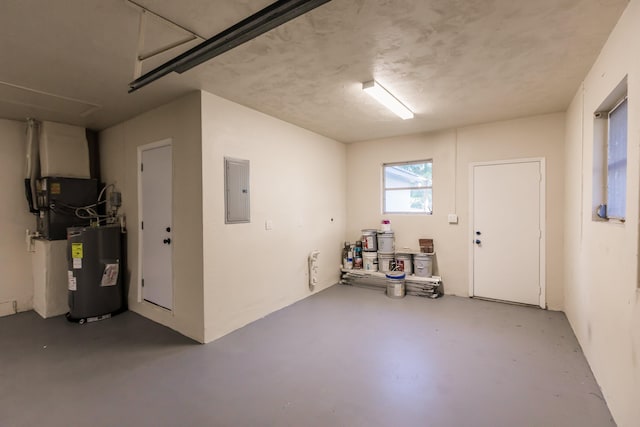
<point x="369" y="240"/>
<point x="395" y="284"/>
<point x="404" y="262"/>
<point x="347" y="256"/>
<point x="386" y="262"/>
<point x="385" y="242"/>
<point x="385" y="225"/>
<point x="347" y="262"/>
<point x="370" y="261"/>
<point x="357" y="256"/>
<point x="423" y="265"/>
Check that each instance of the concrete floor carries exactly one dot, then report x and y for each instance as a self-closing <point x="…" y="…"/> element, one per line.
<point x="344" y="357"/>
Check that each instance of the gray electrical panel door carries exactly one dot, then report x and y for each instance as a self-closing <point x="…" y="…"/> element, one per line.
<point x="236" y="190"/>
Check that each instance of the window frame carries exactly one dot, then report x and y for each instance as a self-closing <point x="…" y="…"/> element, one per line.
<point x="385" y="189"/>
<point x="601" y="159"/>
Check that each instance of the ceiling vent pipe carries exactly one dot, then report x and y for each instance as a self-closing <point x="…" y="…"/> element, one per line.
<point x="32" y="163"/>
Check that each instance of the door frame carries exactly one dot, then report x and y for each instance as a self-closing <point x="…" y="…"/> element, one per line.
<point x="543" y="224"/>
<point x="158" y="144"/>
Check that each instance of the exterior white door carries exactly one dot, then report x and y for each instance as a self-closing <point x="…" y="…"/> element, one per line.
<point x="507" y="229"/>
<point x="155" y="225"/>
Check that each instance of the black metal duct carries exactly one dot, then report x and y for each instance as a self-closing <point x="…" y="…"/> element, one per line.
<point x="249" y="28"/>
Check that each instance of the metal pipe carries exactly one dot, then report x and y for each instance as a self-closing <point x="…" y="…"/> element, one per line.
<point x="175" y="24"/>
<point x="249" y="28"/>
<point x="165" y="48"/>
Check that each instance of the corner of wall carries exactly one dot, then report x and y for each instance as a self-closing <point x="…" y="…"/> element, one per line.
<point x="16" y="291"/>
<point x="297" y="184"/>
<point x="181" y="121"/>
<point x="602" y="301"/>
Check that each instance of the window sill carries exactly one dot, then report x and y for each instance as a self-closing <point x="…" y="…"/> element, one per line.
<point x="408" y="213"/>
<point x="608" y="220"/>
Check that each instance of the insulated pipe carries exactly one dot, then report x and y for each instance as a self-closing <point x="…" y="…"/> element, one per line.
<point x="32" y="163"/>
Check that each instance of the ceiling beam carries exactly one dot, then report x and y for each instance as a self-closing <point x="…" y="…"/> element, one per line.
<point x="249" y="28"/>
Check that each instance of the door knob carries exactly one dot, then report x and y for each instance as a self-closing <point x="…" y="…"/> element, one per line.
<point x="168" y="229"/>
<point x="478" y="241"/>
<point x="167" y="241"/>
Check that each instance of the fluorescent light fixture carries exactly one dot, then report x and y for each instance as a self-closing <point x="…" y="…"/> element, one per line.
<point x="385" y="98"/>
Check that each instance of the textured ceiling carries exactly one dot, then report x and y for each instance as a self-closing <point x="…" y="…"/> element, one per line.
<point x="453" y="62"/>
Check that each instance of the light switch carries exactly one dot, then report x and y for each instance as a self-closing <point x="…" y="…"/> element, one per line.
<point x="453" y="218"/>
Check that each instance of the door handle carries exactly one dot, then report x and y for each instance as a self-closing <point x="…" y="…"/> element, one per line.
<point x="477" y="242"/>
<point x="167" y="241"/>
<point x="478" y="233"/>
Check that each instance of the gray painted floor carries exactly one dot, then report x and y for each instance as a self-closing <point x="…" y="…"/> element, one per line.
<point x="344" y="357"/>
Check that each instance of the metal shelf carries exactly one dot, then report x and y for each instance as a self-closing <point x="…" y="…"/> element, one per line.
<point x="434" y="280"/>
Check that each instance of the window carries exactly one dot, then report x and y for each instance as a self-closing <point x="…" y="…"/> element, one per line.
<point x="617" y="162"/>
<point x="610" y="156"/>
<point x="407" y="187"/>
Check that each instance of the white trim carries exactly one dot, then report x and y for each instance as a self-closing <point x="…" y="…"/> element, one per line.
<point x="141" y="148"/>
<point x="470" y="226"/>
<point x="543" y="223"/>
<point x="543" y="233"/>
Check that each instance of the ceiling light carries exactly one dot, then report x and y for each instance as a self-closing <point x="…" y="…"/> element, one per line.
<point x="385" y="98"/>
<point x="249" y="28"/>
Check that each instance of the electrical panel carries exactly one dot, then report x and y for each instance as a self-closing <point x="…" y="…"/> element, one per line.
<point x="58" y="200"/>
<point x="236" y="191"/>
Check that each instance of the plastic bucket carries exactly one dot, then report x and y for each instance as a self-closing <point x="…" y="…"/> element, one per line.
<point x="370" y="261"/>
<point x="395" y="284"/>
<point x="386" y="262"/>
<point x="423" y="265"/>
<point x="404" y="262"/>
<point x="369" y="240"/>
<point x="385" y="242"/>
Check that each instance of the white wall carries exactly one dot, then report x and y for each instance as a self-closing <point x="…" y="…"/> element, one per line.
<point x="180" y="121"/>
<point x="602" y="300"/>
<point x="298" y="182"/>
<point x="50" y="278"/>
<point x="15" y="261"/>
<point x="452" y="152"/>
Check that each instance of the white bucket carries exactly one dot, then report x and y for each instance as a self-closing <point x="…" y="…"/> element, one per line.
<point x="386" y="262"/>
<point x="369" y="240"/>
<point x="423" y="265"/>
<point x="370" y="261"/>
<point x="395" y="284"/>
<point x="385" y="242"/>
<point x="403" y="263"/>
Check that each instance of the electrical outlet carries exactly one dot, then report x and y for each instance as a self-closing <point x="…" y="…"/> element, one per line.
<point x="452" y="218"/>
<point x="268" y="225"/>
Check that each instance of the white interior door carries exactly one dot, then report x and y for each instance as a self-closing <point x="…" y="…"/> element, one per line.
<point x="155" y="226"/>
<point x="507" y="232"/>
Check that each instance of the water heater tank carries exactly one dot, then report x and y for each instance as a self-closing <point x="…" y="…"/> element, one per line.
<point x="94" y="272"/>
